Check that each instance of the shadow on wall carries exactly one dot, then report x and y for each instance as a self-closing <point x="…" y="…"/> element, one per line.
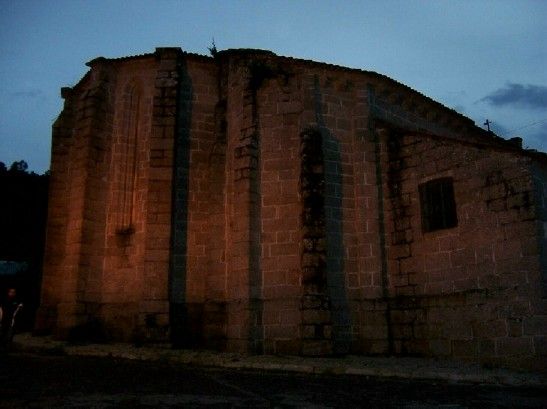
<point x="336" y="280"/>
<point x="256" y="307"/>
<point x="539" y="173"/>
<point x="185" y="323"/>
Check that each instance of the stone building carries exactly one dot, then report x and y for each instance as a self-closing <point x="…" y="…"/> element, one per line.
<point x="252" y="202"/>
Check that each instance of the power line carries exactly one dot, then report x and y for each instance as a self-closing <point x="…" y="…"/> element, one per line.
<point x="526" y="126"/>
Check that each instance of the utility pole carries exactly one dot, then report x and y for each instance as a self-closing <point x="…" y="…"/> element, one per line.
<point x="487" y="123"/>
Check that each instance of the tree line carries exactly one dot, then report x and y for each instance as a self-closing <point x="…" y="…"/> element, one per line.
<point x="23" y="215"/>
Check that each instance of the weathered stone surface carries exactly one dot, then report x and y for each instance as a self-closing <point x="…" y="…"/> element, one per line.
<point x="252" y="202"/>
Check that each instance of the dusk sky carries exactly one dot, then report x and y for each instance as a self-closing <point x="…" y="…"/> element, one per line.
<point x="486" y="59"/>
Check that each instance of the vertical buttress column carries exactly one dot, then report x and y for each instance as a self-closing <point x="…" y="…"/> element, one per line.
<point x="164" y="289"/>
<point x="315" y="307"/>
<point x="55" y="252"/>
<point x="245" y="329"/>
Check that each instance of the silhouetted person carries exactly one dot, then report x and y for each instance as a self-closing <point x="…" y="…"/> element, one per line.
<point x="9" y="308"/>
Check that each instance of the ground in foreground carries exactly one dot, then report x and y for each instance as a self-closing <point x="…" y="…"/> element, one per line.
<point x="38" y="381"/>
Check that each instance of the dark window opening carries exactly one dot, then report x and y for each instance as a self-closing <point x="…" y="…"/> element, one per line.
<point x="438" y="205"/>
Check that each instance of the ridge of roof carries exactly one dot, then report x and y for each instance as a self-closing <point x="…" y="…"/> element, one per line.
<point x="489" y="136"/>
<point x="299" y="60"/>
<point x="347" y="69"/>
<point x="118" y="59"/>
<point x="380" y="76"/>
<point x="242" y="51"/>
<point x="144" y="55"/>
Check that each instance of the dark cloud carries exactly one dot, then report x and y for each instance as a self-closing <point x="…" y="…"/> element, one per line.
<point x="519" y="95"/>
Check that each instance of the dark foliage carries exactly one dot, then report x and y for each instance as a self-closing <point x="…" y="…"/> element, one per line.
<point x="23" y="213"/>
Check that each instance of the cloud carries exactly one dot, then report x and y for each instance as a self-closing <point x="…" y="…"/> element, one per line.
<point x="519" y="95"/>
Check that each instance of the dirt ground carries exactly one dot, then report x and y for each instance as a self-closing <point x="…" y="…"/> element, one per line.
<point x="46" y="381"/>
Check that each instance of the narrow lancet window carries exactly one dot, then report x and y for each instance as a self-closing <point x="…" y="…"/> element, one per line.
<point x="128" y="149"/>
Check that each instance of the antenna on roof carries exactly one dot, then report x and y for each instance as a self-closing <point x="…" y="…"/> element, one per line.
<point x="487" y="123"/>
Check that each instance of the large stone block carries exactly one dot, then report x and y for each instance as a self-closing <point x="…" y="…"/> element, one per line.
<point x="514" y="346"/>
<point x="536" y="325"/>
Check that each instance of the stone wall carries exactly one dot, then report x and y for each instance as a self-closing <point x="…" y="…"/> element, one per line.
<point x="258" y="203"/>
<point x="107" y="249"/>
<point x="198" y="271"/>
<point x="472" y="291"/>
